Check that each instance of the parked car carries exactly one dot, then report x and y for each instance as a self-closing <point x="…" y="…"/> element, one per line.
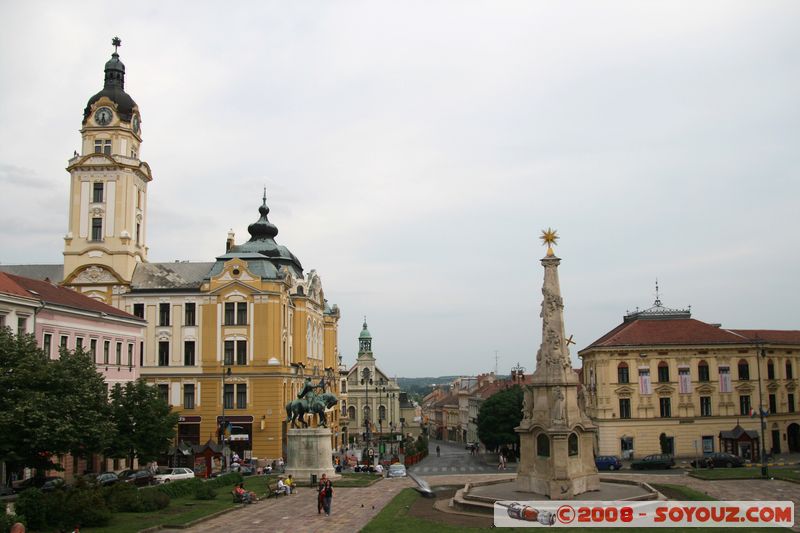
<point x="608" y="462"/>
<point x="54" y="484"/>
<point x="718" y="459"/>
<point x="140" y="478"/>
<point x="397" y="470"/>
<point x="173" y="474"/>
<point x="32" y="482"/>
<point x="106" y="479"/>
<point x="123" y="474"/>
<point x="659" y="460"/>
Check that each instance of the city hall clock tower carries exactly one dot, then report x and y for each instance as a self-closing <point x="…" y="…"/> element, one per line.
<point x="106" y="236"/>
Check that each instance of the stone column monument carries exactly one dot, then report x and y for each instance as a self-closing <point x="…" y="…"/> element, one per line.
<point x="556" y="435"/>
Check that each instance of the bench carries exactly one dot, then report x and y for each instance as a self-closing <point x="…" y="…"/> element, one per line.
<point x="272" y="491"/>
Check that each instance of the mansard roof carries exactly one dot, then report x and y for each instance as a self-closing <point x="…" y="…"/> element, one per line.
<point x="54" y="273"/>
<point x="169" y="276"/>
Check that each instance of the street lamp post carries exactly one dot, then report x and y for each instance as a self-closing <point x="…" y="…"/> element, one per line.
<point x="224" y="427"/>
<point x="761" y="353"/>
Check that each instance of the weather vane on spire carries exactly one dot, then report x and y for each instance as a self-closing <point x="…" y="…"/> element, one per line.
<point x="116" y="42"/>
<point x="549" y="238"/>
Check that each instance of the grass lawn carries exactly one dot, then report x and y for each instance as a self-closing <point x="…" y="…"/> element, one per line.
<point x="788" y="473"/>
<point x="394" y="518"/>
<point x="357" y="479"/>
<point x="181" y="510"/>
<point x="682" y="493"/>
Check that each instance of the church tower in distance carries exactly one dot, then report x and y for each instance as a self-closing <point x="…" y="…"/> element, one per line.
<point x="108" y="193"/>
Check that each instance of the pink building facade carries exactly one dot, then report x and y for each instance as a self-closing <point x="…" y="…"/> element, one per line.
<point x="60" y="317"/>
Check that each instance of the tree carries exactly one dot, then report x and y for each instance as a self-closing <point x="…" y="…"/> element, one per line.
<point x="49" y="407"/>
<point x="145" y="423"/>
<point x="498" y="416"/>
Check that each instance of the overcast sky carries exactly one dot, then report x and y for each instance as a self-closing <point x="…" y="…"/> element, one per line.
<point x="413" y="151"/>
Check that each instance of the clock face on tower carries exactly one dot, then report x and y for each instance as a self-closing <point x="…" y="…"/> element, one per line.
<point x="103" y="116"/>
<point x="135" y="124"/>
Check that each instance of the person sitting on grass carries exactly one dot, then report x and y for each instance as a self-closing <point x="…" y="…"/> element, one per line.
<point x="247" y="496"/>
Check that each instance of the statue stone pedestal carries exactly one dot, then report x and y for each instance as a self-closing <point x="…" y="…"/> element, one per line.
<point x="308" y="451"/>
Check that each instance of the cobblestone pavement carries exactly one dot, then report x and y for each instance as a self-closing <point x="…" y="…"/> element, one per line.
<point x="353" y="508"/>
<point x="750" y="489"/>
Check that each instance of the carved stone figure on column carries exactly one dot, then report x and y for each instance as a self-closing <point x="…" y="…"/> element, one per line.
<point x="527" y="403"/>
<point x="558" y="405"/>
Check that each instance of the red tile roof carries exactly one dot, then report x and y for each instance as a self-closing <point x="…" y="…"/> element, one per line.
<point x="55" y="294"/>
<point x="665" y="332"/>
<point x="774" y="336"/>
<point x="11" y="287"/>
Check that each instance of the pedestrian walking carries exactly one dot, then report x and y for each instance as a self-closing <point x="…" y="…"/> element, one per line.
<point x="437" y="450"/>
<point x="325" y="495"/>
<point x="501" y="465"/>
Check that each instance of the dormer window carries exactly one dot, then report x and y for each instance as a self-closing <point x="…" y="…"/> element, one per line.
<point x="102" y="146"/>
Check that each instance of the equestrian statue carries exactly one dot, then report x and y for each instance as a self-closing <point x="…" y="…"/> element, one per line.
<point x="309" y="402"/>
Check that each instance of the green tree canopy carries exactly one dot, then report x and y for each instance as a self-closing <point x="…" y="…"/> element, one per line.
<point x="49" y="406"/>
<point x="145" y="423"/>
<point x="498" y="416"/>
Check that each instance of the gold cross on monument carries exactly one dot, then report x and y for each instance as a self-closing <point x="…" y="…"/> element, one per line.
<point x="549" y="237"/>
<point x="570" y="341"/>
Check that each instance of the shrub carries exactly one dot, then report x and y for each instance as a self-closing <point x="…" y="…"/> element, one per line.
<point x="8" y="520"/>
<point x="204" y="491"/>
<point x="31" y="505"/>
<point x="122" y="497"/>
<point x="231" y="478"/>
<point x="85" y="508"/>
<point x="176" y="489"/>
<point x="152" y="500"/>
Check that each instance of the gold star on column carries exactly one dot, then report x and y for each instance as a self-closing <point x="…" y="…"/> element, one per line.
<point x="549" y="238"/>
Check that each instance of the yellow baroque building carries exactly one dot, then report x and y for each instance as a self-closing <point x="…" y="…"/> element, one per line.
<point x="662" y="378"/>
<point x="229" y="343"/>
<point x="230" y="340"/>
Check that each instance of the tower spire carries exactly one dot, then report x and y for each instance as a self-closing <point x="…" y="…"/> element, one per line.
<point x="552" y="362"/>
<point x="262" y="229"/>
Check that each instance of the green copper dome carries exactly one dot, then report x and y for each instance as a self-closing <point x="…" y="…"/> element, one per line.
<point x="365" y="332"/>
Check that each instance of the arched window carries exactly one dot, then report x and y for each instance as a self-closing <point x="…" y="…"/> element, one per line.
<point x="351" y="412"/>
<point x="702" y="371"/>
<point x="789" y="374"/>
<point x="572" y="444"/>
<point x="543" y="445"/>
<point x="382" y="412"/>
<point x="744" y="370"/>
<point x="663" y="372"/>
<point x="344" y="407"/>
<point x="343" y="388"/>
<point x="622" y="373"/>
<point x="770" y="369"/>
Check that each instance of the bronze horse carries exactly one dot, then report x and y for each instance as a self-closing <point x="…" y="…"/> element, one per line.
<point x="313" y="404"/>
